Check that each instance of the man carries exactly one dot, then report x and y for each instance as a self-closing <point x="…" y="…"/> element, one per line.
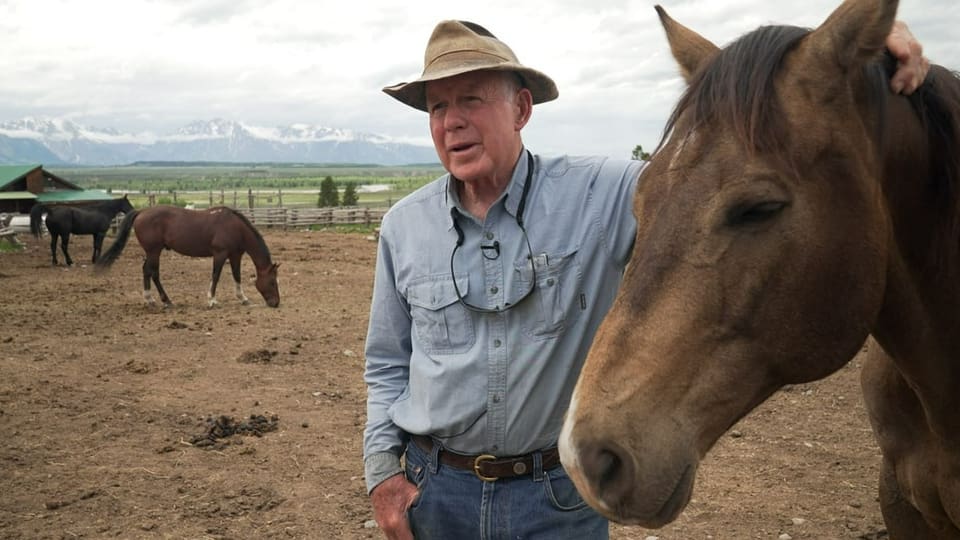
<point x="490" y="284"/>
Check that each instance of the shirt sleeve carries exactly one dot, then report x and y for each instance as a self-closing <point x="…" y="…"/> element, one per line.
<point x="613" y="192"/>
<point x="387" y="353"/>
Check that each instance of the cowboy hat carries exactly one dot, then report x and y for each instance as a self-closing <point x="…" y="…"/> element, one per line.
<point x="457" y="47"/>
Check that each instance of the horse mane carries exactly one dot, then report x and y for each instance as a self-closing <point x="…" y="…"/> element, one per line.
<point x="256" y="234"/>
<point x="937" y="105"/>
<point x="737" y="89"/>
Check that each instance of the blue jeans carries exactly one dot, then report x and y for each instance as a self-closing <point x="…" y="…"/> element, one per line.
<point x="455" y="504"/>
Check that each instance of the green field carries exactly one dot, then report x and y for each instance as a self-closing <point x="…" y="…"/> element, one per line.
<point x="201" y="185"/>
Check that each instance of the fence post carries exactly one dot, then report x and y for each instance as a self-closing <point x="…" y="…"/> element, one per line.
<point x="250" y="197"/>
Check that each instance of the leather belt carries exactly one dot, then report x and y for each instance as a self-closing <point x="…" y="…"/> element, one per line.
<point x="487" y="467"/>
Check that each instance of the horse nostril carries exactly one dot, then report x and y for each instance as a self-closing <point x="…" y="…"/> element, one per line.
<point x="608" y="468"/>
<point x="608" y="464"/>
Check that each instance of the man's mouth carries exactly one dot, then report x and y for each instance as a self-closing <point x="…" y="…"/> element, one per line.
<point x="458" y="148"/>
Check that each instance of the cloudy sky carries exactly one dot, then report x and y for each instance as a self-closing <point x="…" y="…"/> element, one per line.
<point x="155" y="65"/>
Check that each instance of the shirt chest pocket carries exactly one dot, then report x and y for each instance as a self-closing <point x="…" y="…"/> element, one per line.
<point x="554" y="304"/>
<point x="443" y="325"/>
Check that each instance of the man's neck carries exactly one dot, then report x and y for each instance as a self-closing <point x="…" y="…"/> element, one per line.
<point x="477" y="196"/>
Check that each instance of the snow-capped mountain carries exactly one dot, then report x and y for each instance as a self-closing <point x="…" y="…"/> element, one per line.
<point x="63" y="142"/>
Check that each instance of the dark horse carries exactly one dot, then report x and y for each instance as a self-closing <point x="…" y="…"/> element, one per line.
<point x="795" y="207"/>
<point x="221" y="233"/>
<point x="62" y="221"/>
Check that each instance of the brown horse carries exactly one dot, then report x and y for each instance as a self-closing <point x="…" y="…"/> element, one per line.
<point x="794" y="207"/>
<point x="221" y="233"/>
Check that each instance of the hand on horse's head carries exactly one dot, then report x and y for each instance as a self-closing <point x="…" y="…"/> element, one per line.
<point x="912" y="66"/>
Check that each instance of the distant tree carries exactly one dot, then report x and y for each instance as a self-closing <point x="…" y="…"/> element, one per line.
<point x="328" y="193"/>
<point x="349" y="195"/>
<point x="639" y="154"/>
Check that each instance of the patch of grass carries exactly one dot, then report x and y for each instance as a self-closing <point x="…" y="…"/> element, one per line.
<point x="10" y="247"/>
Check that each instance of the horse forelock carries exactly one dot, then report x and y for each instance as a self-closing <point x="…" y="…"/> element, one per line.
<point x="736" y="88"/>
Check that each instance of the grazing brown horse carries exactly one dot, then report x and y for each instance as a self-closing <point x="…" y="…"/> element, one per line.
<point x="221" y="233"/>
<point x="795" y="206"/>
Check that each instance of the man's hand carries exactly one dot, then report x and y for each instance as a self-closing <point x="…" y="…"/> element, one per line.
<point x="912" y="67"/>
<point x="391" y="500"/>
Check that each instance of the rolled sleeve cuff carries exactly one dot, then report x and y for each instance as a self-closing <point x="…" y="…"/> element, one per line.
<point x="380" y="466"/>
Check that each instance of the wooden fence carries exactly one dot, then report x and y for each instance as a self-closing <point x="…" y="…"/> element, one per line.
<point x="282" y="217"/>
<point x="293" y="218"/>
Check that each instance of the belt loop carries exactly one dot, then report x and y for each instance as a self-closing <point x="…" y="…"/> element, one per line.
<point x="434" y="461"/>
<point x="537" y="467"/>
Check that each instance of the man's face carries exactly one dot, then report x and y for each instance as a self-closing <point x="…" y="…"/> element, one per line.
<point x="475" y="122"/>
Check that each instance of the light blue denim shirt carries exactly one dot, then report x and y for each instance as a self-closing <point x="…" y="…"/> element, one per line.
<point x="492" y="383"/>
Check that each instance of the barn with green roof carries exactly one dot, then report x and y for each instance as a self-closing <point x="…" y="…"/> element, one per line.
<point x="22" y="186"/>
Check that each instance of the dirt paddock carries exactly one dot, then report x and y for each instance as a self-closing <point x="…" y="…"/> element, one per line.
<point x="124" y="421"/>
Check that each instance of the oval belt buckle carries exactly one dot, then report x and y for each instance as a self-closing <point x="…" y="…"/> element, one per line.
<point x="476" y="467"/>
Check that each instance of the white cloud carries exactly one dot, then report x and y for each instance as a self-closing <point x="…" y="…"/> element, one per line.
<point x="155" y="65"/>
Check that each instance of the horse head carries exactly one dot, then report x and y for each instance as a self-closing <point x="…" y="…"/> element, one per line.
<point x="268" y="284"/>
<point x="760" y="256"/>
<point x="124" y="205"/>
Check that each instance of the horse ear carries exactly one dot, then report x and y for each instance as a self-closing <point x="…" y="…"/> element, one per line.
<point x="854" y="33"/>
<point x="690" y="49"/>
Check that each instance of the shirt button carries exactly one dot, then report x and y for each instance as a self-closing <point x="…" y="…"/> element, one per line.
<point x="493" y="290"/>
<point x="494" y="448"/>
<point x="489" y="236"/>
<point x="497" y="343"/>
<point x="496" y="398"/>
<point x="550" y="282"/>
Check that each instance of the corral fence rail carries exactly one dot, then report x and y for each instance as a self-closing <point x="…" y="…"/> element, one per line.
<point x="299" y="218"/>
<point x="272" y="217"/>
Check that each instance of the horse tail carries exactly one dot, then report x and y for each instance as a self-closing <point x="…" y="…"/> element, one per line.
<point x="123" y="234"/>
<point x="36" y="219"/>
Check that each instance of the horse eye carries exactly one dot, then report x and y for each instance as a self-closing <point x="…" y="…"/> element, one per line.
<point x="749" y="214"/>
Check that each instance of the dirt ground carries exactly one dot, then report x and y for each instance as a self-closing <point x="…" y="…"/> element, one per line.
<point x="123" y="421"/>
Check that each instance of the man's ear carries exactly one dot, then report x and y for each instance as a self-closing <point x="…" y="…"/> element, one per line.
<point x="524" y="107"/>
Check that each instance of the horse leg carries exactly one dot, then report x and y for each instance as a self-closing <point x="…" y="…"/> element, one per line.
<point x="147" y="276"/>
<point x="902" y="519"/>
<point x="214" y="279"/>
<point x="151" y="272"/>
<point x="235" y="269"/>
<point x="64" y="244"/>
<point x="97" y="246"/>
<point x="53" y="247"/>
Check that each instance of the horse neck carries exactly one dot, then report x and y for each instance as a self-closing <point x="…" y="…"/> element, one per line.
<point x="255" y="247"/>
<point x="919" y="322"/>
